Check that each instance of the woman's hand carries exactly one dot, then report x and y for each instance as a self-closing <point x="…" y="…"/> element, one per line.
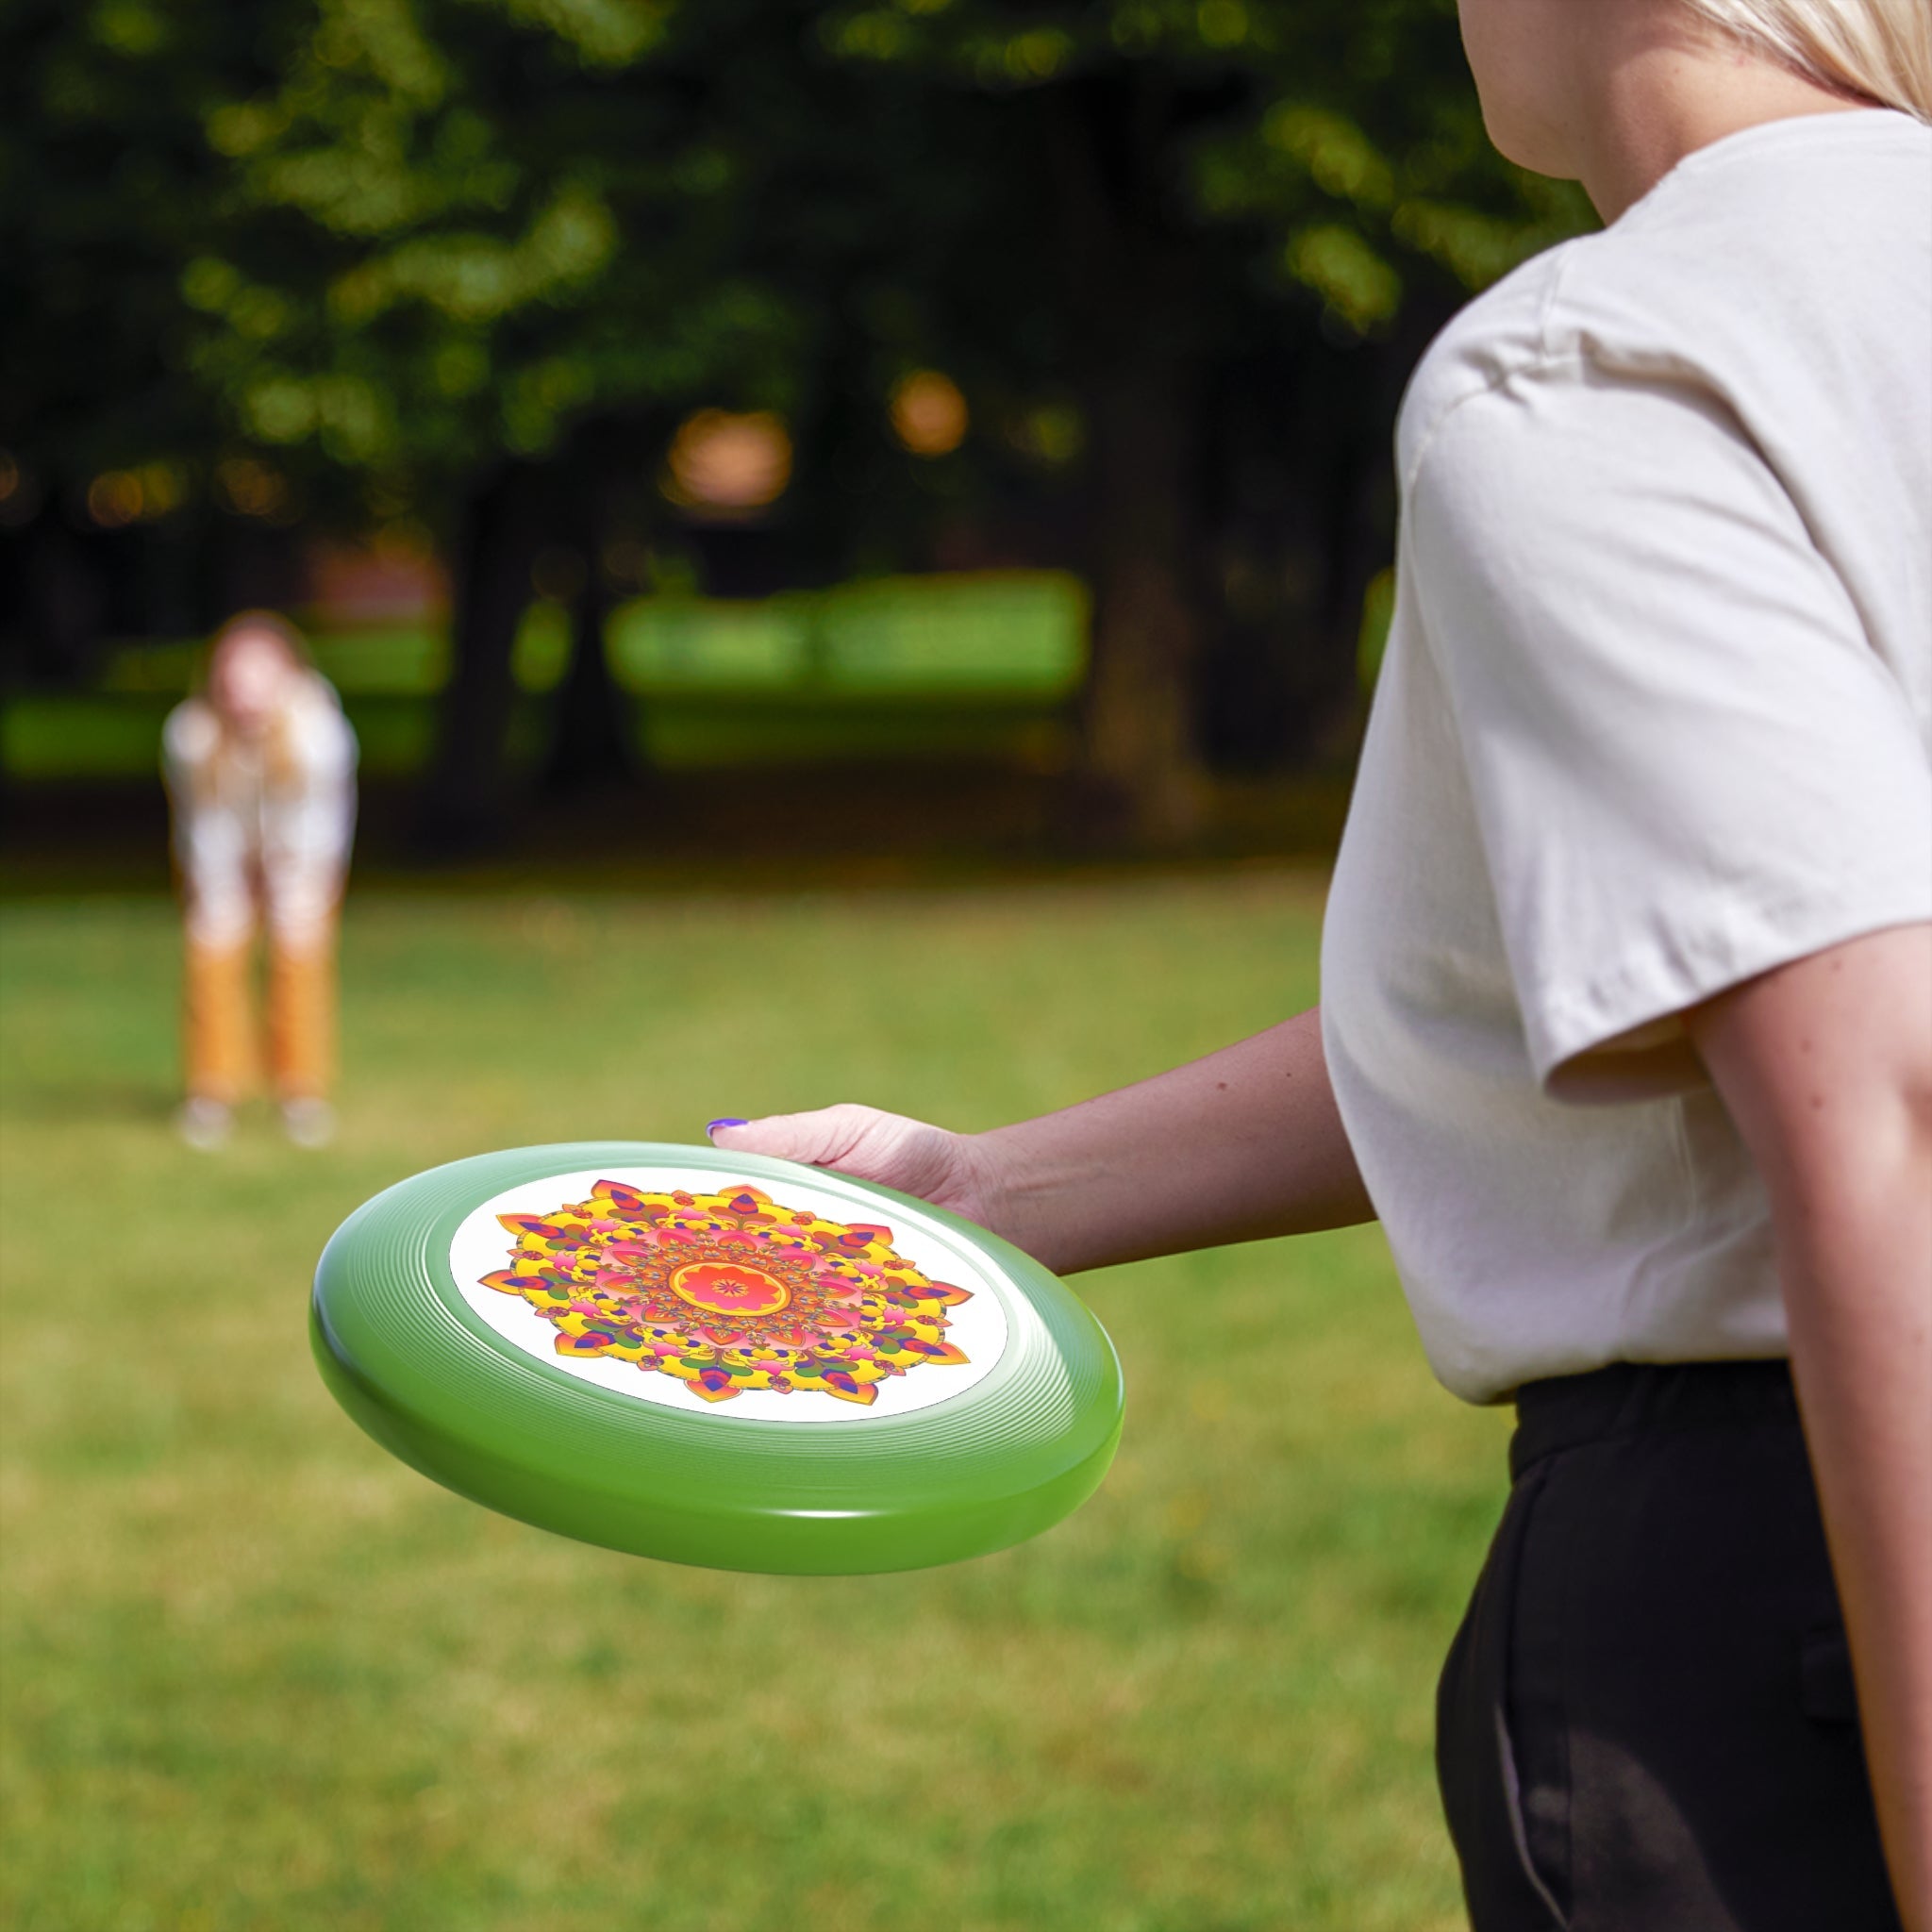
<point x="1243" y="1144"/>
<point x="949" y="1170"/>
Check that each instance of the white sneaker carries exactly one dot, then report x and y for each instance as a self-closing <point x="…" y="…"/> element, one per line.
<point x="203" y="1123"/>
<point x="308" y="1122"/>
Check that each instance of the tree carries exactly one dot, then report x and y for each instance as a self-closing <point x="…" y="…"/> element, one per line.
<point x="470" y="261"/>
<point x="490" y="237"/>
<point x="1217" y="200"/>
<point x="109" y="191"/>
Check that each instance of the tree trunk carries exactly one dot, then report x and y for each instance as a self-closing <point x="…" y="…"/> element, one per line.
<point x="1139" y="737"/>
<point x="590" y="740"/>
<point x="1133" y="305"/>
<point x="62" y="601"/>
<point x="593" y="743"/>
<point x="467" y="798"/>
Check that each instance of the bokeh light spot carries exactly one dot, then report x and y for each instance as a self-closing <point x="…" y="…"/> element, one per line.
<point x="250" y="488"/>
<point x="114" y="499"/>
<point x="728" y="464"/>
<point x="930" y="415"/>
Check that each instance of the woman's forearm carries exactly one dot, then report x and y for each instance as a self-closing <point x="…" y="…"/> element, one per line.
<point x="1243" y="1144"/>
<point x="1859" y="1297"/>
<point x="1826" y="1068"/>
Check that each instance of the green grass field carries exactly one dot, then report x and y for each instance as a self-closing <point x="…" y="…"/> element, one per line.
<point x="257" y="1674"/>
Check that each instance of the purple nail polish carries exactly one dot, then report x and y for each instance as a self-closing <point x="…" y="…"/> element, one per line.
<point x="714" y="1125"/>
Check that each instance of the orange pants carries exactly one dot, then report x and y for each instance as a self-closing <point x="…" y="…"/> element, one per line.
<point x="222" y="1044"/>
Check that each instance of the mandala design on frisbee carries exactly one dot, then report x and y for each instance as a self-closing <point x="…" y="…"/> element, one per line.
<point x="729" y="1291"/>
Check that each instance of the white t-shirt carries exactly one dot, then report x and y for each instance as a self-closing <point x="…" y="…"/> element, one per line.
<point x="1656" y="716"/>
<point x="249" y="825"/>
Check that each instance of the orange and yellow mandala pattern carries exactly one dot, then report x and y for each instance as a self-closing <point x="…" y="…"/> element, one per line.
<point x="729" y="1291"/>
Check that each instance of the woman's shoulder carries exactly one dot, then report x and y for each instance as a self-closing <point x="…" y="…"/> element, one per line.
<point x="315" y="695"/>
<point x="1604" y="305"/>
<point x="319" y="733"/>
<point x="1498" y="335"/>
<point x="191" y="733"/>
<point x="1758" y="264"/>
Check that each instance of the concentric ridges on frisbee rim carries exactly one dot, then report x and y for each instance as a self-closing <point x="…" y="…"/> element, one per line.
<point x="387" y="1301"/>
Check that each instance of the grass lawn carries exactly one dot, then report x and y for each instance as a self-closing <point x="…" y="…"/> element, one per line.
<point x="258" y="1675"/>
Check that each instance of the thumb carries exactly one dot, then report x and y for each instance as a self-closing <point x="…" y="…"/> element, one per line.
<point x="884" y="1147"/>
<point x="862" y="1140"/>
<point x="819" y="1139"/>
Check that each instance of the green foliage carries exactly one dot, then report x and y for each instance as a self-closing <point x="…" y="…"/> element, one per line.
<point x="498" y="240"/>
<point x="260" y="1674"/>
<point x="106" y="189"/>
<point x="1347" y="133"/>
<point x="395" y="239"/>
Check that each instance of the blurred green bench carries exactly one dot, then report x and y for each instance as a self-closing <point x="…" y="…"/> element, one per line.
<point x="976" y="666"/>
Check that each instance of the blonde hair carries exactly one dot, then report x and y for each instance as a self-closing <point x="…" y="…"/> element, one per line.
<point x="246" y="623"/>
<point x="281" y="765"/>
<point x="1879" y="50"/>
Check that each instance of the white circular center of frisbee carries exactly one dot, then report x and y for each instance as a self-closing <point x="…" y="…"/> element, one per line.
<point x="720" y="1291"/>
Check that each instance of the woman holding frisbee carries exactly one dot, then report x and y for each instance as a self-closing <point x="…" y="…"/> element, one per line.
<point x="1626" y="1031"/>
<point x="261" y="777"/>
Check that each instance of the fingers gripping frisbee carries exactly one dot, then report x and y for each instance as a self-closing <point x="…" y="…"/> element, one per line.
<point x="717" y="1359"/>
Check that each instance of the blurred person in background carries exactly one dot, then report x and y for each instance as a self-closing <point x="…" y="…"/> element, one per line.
<point x="261" y="769"/>
<point x="1626" y="1022"/>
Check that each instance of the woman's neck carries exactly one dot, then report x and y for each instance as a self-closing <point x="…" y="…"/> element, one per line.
<point x="1655" y="98"/>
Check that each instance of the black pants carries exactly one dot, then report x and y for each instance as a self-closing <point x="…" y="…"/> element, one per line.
<point x="1646" y="1721"/>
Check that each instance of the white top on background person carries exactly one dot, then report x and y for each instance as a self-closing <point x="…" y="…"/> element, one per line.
<point x="264" y="806"/>
<point x="1668" y="731"/>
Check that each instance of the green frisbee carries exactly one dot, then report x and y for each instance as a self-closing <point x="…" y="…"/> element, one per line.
<point x="716" y="1359"/>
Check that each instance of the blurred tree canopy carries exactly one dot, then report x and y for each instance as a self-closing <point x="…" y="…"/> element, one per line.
<point x="467" y="263"/>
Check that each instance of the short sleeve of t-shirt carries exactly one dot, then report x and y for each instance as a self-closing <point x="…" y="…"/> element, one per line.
<point x="1687" y="762"/>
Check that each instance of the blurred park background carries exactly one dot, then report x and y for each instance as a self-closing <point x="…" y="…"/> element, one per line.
<point x="855" y="539"/>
